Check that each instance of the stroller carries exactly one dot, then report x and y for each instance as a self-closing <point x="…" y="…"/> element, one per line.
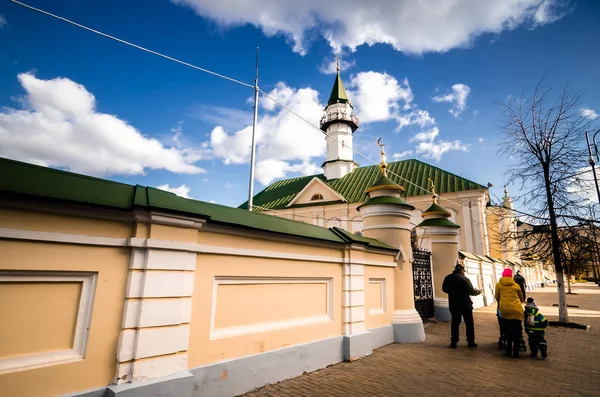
<point x="502" y="338"/>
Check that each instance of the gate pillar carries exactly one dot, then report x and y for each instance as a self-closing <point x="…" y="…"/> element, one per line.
<point x="386" y="217"/>
<point x="442" y="234"/>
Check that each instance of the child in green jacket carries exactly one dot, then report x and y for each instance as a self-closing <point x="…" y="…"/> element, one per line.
<point x="535" y="324"/>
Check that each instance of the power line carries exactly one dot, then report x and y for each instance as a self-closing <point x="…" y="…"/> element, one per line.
<point x="133" y="45"/>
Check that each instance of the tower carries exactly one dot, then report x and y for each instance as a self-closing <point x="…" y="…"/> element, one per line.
<point x="441" y="234"/>
<point x="386" y="217"/>
<point x="339" y="123"/>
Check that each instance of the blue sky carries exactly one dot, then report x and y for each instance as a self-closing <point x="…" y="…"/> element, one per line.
<point x="75" y="100"/>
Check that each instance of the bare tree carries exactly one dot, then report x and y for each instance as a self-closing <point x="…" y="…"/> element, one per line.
<point x="576" y="253"/>
<point x="544" y="136"/>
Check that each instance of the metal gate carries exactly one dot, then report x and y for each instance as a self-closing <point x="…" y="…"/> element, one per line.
<point x="423" y="283"/>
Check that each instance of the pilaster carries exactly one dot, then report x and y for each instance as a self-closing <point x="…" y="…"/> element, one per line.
<point x="357" y="340"/>
<point x="155" y="331"/>
<point x="466" y="210"/>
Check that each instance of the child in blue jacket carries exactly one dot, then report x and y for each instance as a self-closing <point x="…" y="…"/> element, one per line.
<point x="535" y="324"/>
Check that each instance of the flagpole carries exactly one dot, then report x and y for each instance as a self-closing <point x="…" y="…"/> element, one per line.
<point x="253" y="150"/>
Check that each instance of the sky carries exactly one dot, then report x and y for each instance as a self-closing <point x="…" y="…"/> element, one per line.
<point x="427" y="77"/>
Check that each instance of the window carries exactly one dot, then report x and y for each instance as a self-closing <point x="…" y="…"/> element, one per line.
<point x="526" y="244"/>
<point x="317" y="196"/>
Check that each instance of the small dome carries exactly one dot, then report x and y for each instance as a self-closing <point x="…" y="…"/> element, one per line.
<point x="384" y="183"/>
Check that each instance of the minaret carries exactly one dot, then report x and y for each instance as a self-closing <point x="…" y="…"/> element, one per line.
<point x="339" y="123"/>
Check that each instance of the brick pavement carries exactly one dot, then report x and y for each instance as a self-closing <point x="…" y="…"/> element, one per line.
<point x="431" y="369"/>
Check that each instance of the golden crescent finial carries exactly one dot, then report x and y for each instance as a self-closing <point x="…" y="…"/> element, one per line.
<point x="433" y="195"/>
<point x="383" y="164"/>
<point x="505" y="191"/>
<point x="337" y="59"/>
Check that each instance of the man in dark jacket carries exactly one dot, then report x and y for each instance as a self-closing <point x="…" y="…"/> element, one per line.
<point x="520" y="280"/>
<point x="459" y="290"/>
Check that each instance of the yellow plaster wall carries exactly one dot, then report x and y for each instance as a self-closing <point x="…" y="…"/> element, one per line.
<point x="294" y="299"/>
<point x="231" y="241"/>
<point x="237" y="303"/>
<point x="373" y="293"/>
<point x="30" y="220"/>
<point x="98" y="368"/>
<point x="30" y="310"/>
<point x="493" y="227"/>
<point x="444" y="257"/>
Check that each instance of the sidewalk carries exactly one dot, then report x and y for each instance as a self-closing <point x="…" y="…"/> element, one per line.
<point x="431" y="369"/>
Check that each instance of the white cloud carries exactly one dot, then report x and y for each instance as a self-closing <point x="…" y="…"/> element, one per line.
<point x="330" y="66"/>
<point x="60" y="127"/>
<point x="435" y="150"/>
<point x="3" y="22"/>
<point x="400" y="156"/>
<point x="413" y="27"/>
<point x="458" y="98"/>
<point x="378" y="96"/>
<point x="427" y="136"/>
<point x="481" y="140"/>
<point x="583" y="186"/>
<point x="182" y="190"/>
<point x="226" y="117"/>
<point x="589" y="113"/>
<point x="415" y="117"/>
<point x="284" y="142"/>
<point x="268" y="170"/>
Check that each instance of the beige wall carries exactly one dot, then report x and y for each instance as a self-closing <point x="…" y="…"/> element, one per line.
<point x="49" y="311"/>
<point x="30" y="220"/>
<point x="375" y="279"/>
<point x="257" y="243"/>
<point x="240" y="305"/>
<point x="249" y="304"/>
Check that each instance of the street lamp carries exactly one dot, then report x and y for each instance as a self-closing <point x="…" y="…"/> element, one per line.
<point x="592" y="162"/>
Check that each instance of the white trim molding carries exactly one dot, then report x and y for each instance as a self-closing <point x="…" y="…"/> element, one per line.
<point x="84" y="317"/>
<point x="228" y="332"/>
<point x="382" y="309"/>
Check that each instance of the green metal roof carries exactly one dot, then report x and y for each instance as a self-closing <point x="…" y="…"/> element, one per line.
<point x="338" y="93"/>
<point x="353" y="185"/>
<point x="26" y="180"/>
<point x="435" y="207"/>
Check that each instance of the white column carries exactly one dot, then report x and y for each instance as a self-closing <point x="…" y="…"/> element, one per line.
<point x="344" y="221"/>
<point x="357" y="341"/>
<point x="353" y="302"/>
<point x="477" y="227"/>
<point x="466" y="210"/>
<point x="156" y="317"/>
